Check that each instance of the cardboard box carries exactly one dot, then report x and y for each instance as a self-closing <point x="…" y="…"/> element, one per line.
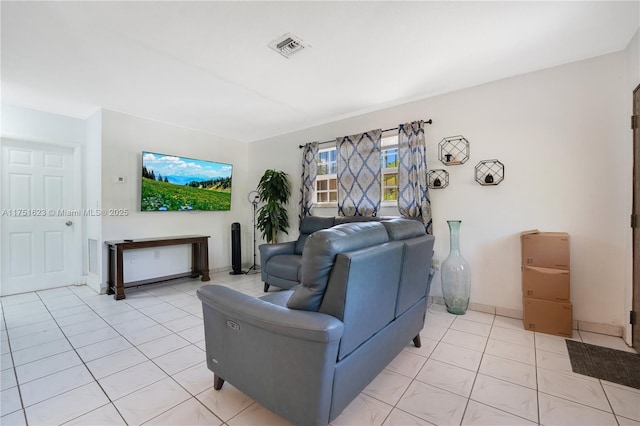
<point x="545" y="249"/>
<point x="545" y="316"/>
<point x="546" y="283"/>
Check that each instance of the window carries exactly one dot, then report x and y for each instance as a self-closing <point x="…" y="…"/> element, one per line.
<point x="390" y="161"/>
<point x="327" y="180"/>
<point x="327" y="190"/>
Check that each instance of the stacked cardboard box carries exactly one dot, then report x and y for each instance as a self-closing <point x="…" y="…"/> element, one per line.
<point x="546" y="282"/>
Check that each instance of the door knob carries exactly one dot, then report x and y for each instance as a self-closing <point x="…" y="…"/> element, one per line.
<point x="69" y="223"/>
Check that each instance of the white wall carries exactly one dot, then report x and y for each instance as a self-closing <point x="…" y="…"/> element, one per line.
<point x="124" y="137"/>
<point x="632" y="56"/>
<point x="92" y="200"/>
<point x="562" y="134"/>
<point x="39" y="126"/>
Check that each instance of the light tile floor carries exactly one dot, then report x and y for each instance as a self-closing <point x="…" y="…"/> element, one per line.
<point x="70" y="356"/>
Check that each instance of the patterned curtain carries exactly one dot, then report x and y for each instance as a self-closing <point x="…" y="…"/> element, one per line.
<point x="309" y="173"/>
<point x="359" y="170"/>
<point x="413" y="191"/>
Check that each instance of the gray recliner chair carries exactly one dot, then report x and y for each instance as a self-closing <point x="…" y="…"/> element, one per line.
<point x="280" y="263"/>
<point x="306" y="353"/>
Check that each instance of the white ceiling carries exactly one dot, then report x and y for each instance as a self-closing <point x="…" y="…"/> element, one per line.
<point x="206" y="65"/>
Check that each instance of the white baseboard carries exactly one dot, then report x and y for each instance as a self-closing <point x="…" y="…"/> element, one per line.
<point x="610" y="330"/>
<point x="592" y="327"/>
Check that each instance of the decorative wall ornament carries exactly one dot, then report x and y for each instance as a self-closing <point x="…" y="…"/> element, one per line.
<point x="438" y="179"/>
<point x="453" y="150"/>
<point x="489" y="172"/>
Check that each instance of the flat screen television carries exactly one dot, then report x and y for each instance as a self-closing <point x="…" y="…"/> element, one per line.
<point x="172" y="183"/>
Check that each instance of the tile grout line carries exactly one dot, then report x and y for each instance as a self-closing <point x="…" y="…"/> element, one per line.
<point x="537" y="339"/>
<point x="59" y="328"/>
<point x="83" y="363"/>
<point x="89" y="370"/>
<point x="535" y="360"/>
<point x="152" y="360"/>
<point x="567" y="399"/>
<point x="475" y="378"/>
<point x="606" y="395"/>
<point x="13" y="367"/>
<point x="143" y="354"/>
<point x="413" y="379"/>
<point x="478" y="371"/>
<point x="66" y="337"/>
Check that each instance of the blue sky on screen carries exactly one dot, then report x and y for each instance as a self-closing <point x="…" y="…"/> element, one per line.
<point x="182" y="170"/>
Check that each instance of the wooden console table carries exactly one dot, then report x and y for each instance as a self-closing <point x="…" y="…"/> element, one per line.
<point x="199" y="260"/>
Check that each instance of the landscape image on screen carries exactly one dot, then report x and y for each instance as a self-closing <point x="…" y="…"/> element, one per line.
<point x="172" y="183"/>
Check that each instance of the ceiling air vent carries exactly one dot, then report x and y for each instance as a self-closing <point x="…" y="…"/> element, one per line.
<point x="287" y="45"/>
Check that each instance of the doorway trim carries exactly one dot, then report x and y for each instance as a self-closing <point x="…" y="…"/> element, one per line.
<point x="634" y="327"/>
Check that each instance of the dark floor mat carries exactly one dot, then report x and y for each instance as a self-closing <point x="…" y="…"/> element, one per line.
<point x="605" y="363"/>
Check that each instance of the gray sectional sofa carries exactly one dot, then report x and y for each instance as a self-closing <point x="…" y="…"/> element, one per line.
<point x="306" y="353"/>
<point x="280" y="263"/>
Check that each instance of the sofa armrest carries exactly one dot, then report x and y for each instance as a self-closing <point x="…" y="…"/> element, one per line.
<point x="276" y="319"/>
<point x="282" y="358"/>
<point x="267" y="251"/>
<point x="270" y="250"/>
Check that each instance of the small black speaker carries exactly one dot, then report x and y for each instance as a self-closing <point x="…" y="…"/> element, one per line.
<point x="236" y="251"/>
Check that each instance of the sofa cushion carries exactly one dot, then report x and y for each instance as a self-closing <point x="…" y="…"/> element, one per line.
<point x="416" y="267"/>
<point x="362" y="292"/>
<point x="308" y="226"/>
<point x="285" y="266"/>
<point x="402" y="229"/>
<point x="277" y="297"/>
<point x="319" y="256"/>
<point x="339" y="220"/>
<point x="311" y="224"/>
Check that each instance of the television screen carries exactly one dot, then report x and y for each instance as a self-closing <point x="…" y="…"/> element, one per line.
<point x="171" y="183"/>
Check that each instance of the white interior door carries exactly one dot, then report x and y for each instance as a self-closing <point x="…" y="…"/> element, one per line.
<point x="37" y="217"/>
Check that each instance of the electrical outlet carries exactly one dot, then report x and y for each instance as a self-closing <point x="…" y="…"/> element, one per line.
<point x="435" y="264"/>
<point x="134" y="259"/>
<point x="156" y="254"/>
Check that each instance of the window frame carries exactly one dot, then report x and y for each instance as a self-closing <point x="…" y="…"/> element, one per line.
<point x="389" y="170"/>
<point x="328" y="177"/>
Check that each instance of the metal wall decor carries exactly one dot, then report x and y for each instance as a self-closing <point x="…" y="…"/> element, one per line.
<point x="489" y="172"/>
<point x="437" y="179"/>
<point x="453" y="150"/>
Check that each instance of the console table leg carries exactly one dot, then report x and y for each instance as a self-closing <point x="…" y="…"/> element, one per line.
<point x="111" y="271"/>
<point x="119" y="275"/>
<point x="204" y="260"/>
<point x="195" y="260"/>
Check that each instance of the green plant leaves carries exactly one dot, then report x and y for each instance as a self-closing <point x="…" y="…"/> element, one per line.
<point x="274" y="186"/>
<point x="274" y="189"/>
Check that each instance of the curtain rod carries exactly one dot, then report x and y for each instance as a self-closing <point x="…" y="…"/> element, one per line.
<point x="429" y="121"/>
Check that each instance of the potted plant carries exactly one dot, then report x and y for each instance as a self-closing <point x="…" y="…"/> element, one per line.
<point x="274" y="190"/>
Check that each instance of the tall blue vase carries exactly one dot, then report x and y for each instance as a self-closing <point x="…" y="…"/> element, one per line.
<point x="455" y="274"/>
